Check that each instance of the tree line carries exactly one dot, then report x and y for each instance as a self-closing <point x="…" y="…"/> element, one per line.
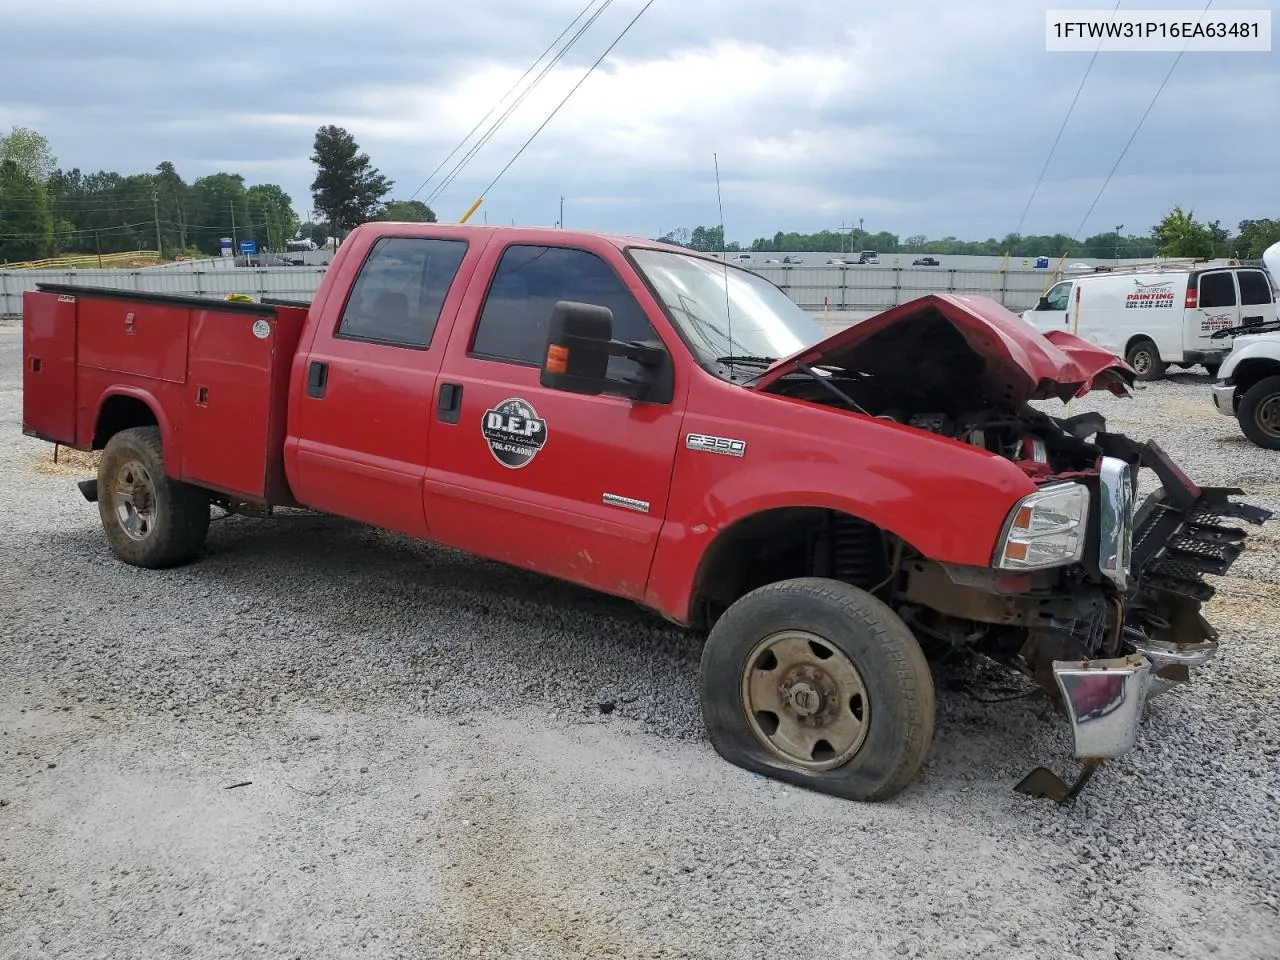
<point x="1179" y="234"/>
<point x="46" y="210"/>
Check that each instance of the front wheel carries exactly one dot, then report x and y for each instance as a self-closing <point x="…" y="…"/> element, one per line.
<point x="819" y="684"/>
<point x="1144" y="357"/>
<point x="1259" y="413"/>
<point x="150" y="519"/>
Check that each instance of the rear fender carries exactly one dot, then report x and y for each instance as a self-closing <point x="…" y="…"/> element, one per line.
<point x="169" y="435"/>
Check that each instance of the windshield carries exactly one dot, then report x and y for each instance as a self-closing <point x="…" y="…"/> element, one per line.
<point x="765" y="323"/>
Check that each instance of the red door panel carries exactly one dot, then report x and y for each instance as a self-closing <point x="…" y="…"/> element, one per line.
<point x="571" y="486"/>
<point x="49" y="367"/>
<point x="360" y="414"/>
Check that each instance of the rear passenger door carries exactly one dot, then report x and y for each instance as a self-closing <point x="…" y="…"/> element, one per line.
<point x="570" y="486"/>
<point x="1257" y="302"/>
<point x="1217" y="308"/>
<point x="358" y="431"/>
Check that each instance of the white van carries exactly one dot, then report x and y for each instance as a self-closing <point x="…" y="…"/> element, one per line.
<point x="1155" y="318"/>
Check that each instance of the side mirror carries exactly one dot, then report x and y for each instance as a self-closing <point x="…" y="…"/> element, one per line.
<point x="1043" y="304"/>
<point x="577" y="357"/>
<point x="579" y="345"/>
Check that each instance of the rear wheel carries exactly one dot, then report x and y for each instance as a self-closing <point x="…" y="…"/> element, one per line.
<point x="1145" y="360"/>
<point x="817" y="683"/>
<point x="1259" y="413"/>
<point x="150" y="520"/>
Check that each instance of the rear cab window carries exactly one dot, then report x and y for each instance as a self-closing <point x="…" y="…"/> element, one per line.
<point x="400" y="290"/>
<point x="529" y="280"/>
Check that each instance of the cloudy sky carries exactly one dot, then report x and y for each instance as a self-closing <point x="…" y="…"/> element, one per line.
<point x="920" y="116"/>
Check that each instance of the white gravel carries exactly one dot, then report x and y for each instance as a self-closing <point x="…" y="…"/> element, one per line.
<point x="429" y="773"/>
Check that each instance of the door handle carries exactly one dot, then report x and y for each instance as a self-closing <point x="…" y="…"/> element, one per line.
<point x="449" y="404"/>
<point x="317" y="379"/>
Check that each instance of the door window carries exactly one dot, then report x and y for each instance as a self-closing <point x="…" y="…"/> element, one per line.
<point x="529" y="280"/>
<point x="401" y="288"/>
<point x="1056" y="298"/>
<point x="1217" y="290"/>
<point x="1254" y="287"/>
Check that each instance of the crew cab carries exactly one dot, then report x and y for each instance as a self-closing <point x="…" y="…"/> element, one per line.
<point x="662" y="426"/>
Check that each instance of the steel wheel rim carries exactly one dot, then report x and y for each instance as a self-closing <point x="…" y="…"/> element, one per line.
<point x="133" y="497"/>
<point x="1142" y="361"/>
<point x="805" y="701"/>
<point x="1267" y="415"/>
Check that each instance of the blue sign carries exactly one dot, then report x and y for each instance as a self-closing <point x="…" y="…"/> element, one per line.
<point x="248" y="247"/>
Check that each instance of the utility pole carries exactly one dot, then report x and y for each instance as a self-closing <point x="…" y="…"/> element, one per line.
<point x="155" y="206"/>
<point x="234" y="246"/>
<point x="97" y="241"/>
<point x="562" y="213"/>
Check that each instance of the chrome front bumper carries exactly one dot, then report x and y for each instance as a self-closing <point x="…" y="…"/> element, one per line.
<point x="1105" y="699"/>
<point x="1224" y="398"/>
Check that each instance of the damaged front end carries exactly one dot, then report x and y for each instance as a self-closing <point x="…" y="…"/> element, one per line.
<point x="1156" y="558"/>
<point x="1094" y="596"/>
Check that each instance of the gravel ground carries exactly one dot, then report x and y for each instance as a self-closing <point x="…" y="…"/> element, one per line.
<point x="324" y="741"/>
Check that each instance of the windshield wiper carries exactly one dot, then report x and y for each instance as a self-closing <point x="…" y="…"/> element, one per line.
<point x="731" y="359"/>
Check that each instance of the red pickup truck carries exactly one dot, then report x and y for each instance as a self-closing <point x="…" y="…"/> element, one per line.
<point x="665" y="427"/>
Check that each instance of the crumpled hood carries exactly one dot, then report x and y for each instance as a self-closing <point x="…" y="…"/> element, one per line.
<point x="1019" y="362"/>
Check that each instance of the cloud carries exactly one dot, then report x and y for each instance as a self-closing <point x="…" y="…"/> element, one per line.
<point x="919" y="117"/>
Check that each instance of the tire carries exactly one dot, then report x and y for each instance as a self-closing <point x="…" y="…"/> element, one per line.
<point x="1145" y="360"/>
<point x="1259" y="413"/>
<point x="150" y="520"/>
<point x="895" y="713"/>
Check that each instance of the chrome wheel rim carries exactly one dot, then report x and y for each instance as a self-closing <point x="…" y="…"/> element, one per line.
<point x="133" y="497"/>
<point x="804" y="700"/>
<point x="1142" y="361"/>
<point x="1267" y="415"/>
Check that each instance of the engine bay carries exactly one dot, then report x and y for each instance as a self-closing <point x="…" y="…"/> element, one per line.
<point x="925" y="374"/>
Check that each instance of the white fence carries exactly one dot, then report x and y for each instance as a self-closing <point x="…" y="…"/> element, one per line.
<point x="865" y="288"/>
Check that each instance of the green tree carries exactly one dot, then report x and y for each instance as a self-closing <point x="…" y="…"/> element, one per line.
<point x="406" y="211"/>
<point x="347" y="189"/>
<point x="171" y="202"/>
<point x="319" y="234"/>
<point x="1181" y="235"/>
<point x="26" y="221"/>
<point x="1256" y="236"/>
<point x="219" y="209"/>
<point x="271" y="215"/>
<point x="29" y="150"/>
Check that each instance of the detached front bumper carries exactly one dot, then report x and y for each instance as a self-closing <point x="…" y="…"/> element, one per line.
<point x="1157" y="634"/>
<point x="1224" y="397"/>
<point x="1105" y="699"/>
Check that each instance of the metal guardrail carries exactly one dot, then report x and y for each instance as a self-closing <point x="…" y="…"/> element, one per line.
<point x="852" y="288"/>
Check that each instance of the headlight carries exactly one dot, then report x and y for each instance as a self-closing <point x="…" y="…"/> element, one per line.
<point x="1046" y="528"/>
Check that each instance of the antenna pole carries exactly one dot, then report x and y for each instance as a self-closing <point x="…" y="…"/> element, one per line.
<point x="724" y="257"/>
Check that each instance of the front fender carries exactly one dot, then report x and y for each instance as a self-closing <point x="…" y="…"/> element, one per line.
<point x="948" y="500"/>
<point x="1267" y="350"/>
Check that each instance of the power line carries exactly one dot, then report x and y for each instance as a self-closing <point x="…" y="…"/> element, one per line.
<point x="497" y="125"/>
<point x="1018" y="229"/>
<point x="589" y="5"/>
<point x="1133" y="136"/>
<point x="590" y="71"/>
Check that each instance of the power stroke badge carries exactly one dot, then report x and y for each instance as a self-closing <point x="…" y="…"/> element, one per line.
<point x="514" y="432"/>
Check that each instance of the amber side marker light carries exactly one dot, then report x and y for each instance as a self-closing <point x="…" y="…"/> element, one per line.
<point x="557" y="358"/>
